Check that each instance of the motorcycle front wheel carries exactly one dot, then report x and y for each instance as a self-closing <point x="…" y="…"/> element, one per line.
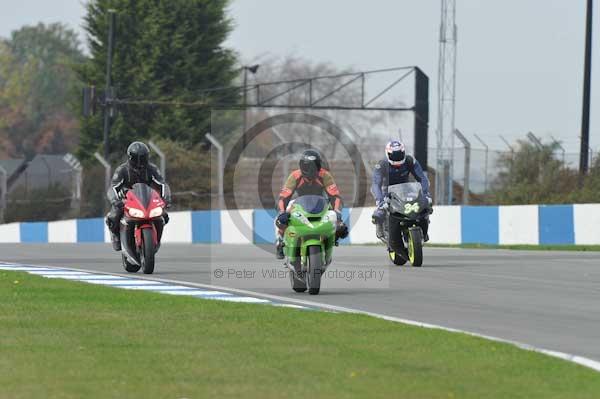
<point x="315" y="269"/>
<point x="147" y="252"/>
<point x="415" y="246"/>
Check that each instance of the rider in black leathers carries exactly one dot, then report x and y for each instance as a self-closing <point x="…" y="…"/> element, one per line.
<point x="137" y="169"/>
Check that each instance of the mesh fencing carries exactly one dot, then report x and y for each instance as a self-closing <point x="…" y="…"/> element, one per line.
<point x="57" y="187"/>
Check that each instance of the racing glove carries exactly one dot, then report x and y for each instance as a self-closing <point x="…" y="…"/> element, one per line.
<point x="282" y="219"/>
<point x="342" y="230"/>
<point x="429" y="203"/>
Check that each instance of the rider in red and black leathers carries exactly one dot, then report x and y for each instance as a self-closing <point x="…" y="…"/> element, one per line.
<point x="310" y="179"/>
<point x="137" y="169"/>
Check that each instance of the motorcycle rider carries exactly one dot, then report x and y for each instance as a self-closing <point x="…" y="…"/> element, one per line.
<point x="396" y="168"/>
<point x="310" y="179"/>
<point x="137" y="169"/>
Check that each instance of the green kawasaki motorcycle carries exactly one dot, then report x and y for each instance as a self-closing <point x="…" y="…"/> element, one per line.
<point x="308" y="242"/>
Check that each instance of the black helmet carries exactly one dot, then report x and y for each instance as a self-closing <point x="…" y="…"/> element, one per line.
<point x="310" y="163"/>
<point x="137" y="155"/>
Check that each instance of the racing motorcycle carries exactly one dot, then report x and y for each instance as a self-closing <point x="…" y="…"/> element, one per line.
<point x="141" y="228"/>
<point x="405" y="207"/>
<point x="308" y="242"/>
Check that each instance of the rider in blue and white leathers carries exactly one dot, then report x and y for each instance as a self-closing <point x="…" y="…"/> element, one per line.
<point x="396" y="168"/>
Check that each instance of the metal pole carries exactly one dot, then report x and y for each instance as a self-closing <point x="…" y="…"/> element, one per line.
<point x="76" y="172"/>
<point x="512" y="150"/>
<point x="467" y="173"/>
<point x="362" y="91"/>
<point x="286" y="166"/>
<point x="111" y="23"/>
<point x="161" y="155"/>
<point x="487" y="149"/>
<point x="3" y="188"/>
<point x="449" y="187"/>
<point x="585" y="113"/>
<point x="537" y="142"/>
<point x="107" y="171"/>
<point x="221" y="166"/>
<point x="245" y="116"/>
<point x="43" y="158"/>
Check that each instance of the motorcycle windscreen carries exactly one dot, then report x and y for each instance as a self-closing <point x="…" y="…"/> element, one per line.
<point x="312" y="204"/>
<point x="143" y="193"/>
<point x="406" y="191"/>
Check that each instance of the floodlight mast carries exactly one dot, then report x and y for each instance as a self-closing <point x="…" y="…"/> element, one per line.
<point x="446" y="101"/>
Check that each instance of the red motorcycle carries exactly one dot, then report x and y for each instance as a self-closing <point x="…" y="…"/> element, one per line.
<point x="141" y="228"/>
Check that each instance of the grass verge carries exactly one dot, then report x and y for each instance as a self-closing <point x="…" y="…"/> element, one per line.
<point x="542" y="247"/>
<point x="66" y="339"/>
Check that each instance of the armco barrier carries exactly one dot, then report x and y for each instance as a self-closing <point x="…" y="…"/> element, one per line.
<point x="518" y="224"/>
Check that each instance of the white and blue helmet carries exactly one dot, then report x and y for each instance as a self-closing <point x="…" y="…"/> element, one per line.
<point x="395" y="152"/>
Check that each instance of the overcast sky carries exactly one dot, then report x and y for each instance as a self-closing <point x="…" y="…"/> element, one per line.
<point x="520" y="62"/>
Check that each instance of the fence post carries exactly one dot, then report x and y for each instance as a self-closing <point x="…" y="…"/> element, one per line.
<point x="538" y="144"/>
<point x="43" y="158"/>
<point x="487" y="149"/>
<point x="73" y="162"/>
<point x="163" y="159"/>
<point x="467" y="145"/>
<point x="107" y="173"/>
<point x="221" y="166"/>
<point x="562" y="150"/>
<point x="512" y="150"/>
<point x="3" y="188"/>
<point x="533" y="138"/>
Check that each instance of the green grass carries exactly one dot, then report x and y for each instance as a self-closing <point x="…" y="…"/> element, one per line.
<point x="542" y="247"/>
<point x="63" y="339"/>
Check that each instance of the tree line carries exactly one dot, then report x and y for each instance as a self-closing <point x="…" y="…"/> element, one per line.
<point x="173" y="51"/>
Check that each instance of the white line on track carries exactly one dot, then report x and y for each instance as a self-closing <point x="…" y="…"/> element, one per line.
<point x="227" y="294"/>
<point x="78" y="277"/>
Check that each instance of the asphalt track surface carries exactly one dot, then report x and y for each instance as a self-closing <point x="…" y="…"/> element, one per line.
<point x="546" y="299"/>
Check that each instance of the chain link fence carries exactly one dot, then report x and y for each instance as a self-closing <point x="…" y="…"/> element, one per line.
<point x="50" y="187"/>
<point x="42" y="188"/>
<point x="484" y="168"/>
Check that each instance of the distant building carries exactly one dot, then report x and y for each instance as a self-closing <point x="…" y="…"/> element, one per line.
<point x="41" y="172"/>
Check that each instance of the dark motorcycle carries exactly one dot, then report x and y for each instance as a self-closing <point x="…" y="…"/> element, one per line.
<point x="405" y="209"/>
<point x="141" y="228"/>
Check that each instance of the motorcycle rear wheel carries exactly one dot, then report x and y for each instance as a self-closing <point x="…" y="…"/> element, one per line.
<point x="129" y="267"/>
<point x="396" y="258"/>
<point x="298" y="284"/>
<point x="147" y="252"/>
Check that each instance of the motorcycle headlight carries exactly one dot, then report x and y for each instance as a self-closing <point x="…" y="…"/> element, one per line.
<point x="330" y="216"/>
<point x="156" y="212"/>
<point x="136" y="213"/>
<point x="303" y="219"/>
